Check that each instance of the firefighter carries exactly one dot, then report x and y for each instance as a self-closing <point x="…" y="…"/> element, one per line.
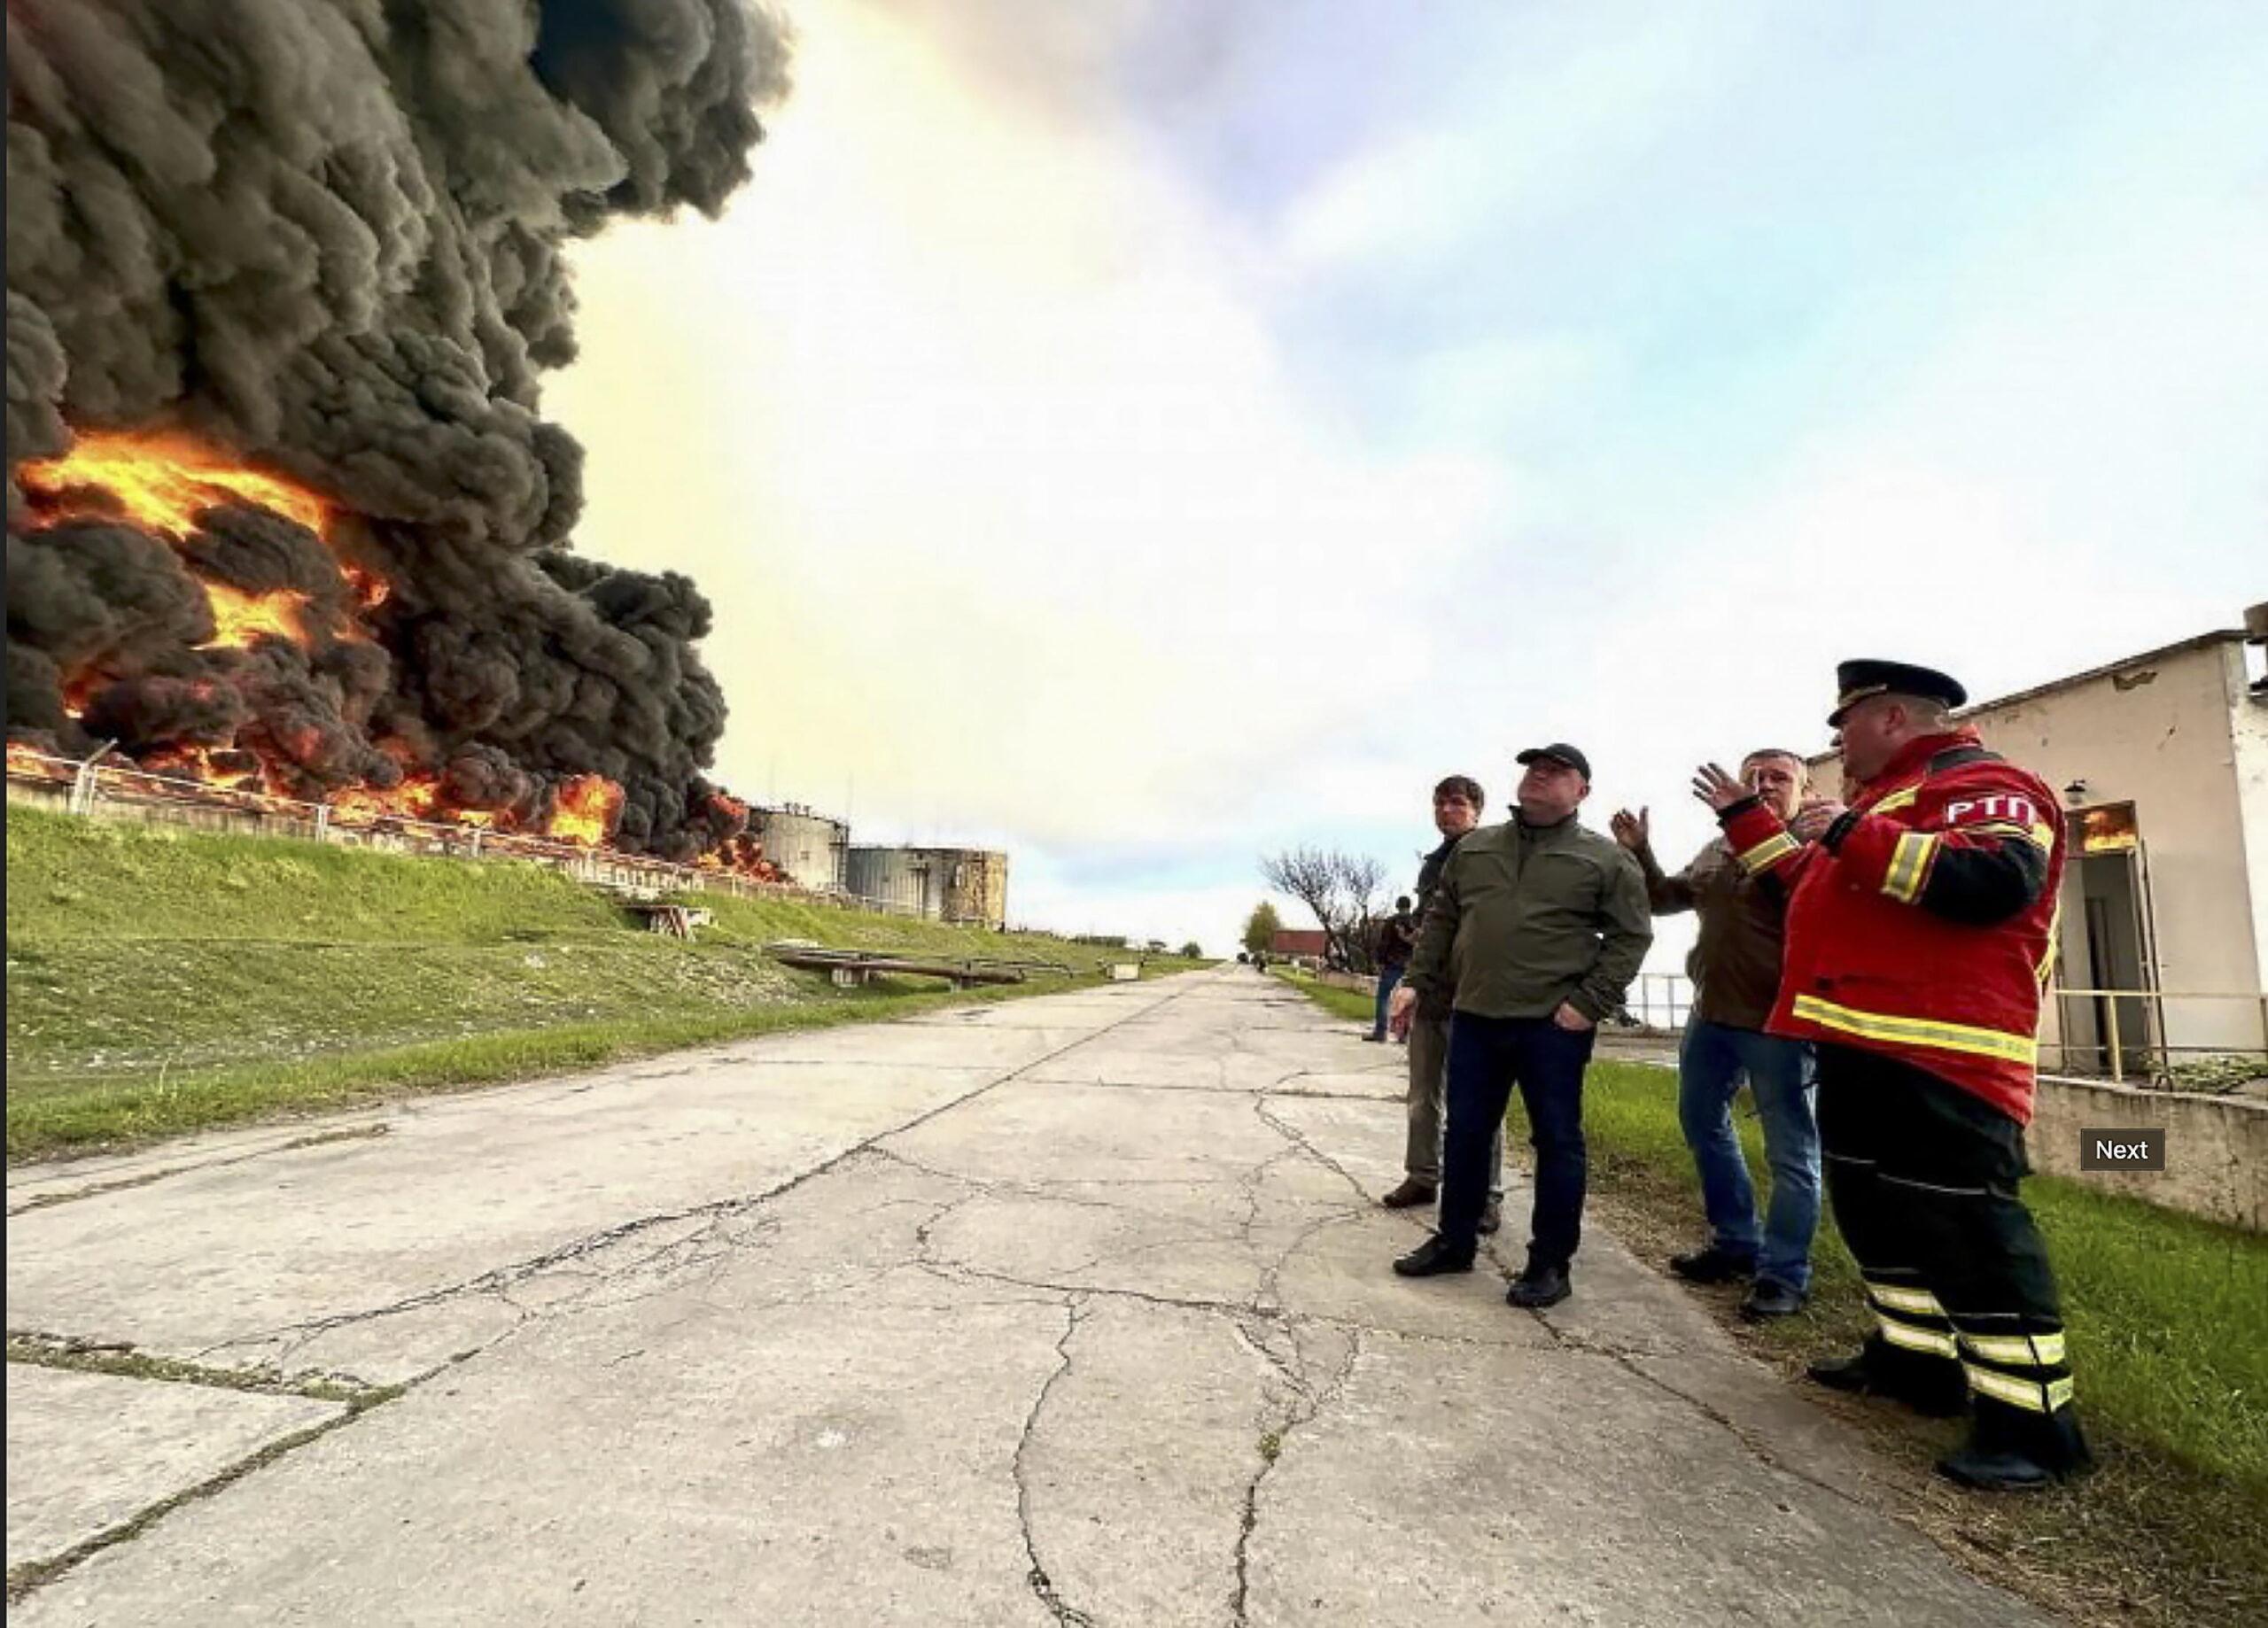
<point x="1920" y="933"/>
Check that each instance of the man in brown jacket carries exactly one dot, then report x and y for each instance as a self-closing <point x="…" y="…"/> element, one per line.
<point x="1735" y="971"/>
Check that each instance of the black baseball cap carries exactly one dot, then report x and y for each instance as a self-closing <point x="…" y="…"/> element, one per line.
<point x="1559" y="752"/>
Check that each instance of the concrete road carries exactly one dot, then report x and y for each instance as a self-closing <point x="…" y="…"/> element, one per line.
<point x="1075" y="1309"/>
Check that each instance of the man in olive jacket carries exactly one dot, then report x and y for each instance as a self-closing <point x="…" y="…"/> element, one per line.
<point x="1545" y="923"/>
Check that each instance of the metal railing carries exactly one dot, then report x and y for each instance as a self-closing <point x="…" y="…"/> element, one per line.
<point x="88" y="782"/>
<point x="1661" y="1001"/>
<point x="2118" y="1052"/>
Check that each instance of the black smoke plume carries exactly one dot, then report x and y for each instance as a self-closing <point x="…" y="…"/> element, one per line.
<point x="329" y="236"/>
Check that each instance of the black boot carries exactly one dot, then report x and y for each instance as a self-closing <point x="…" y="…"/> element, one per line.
<point x="1432" y="1258"/>
<point x="2014" y="1450"/>
<point x="1931" y="1385"/>
<point x="1713" y="1265"/>
<point x="1538" y="1287"/>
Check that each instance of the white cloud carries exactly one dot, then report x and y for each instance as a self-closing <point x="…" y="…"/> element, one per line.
<point x="1008" y="506"/>
<point x="975" y="420"/>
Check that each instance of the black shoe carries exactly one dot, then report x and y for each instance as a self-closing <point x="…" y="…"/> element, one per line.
<point x="1713" y="1265"/>
<point x="2010" y="1450"/>
<point x="1432" y="1259"/>
<point x="1929" y="1386"/>
<point x="1768" y="1298"/>
<point x="1995" y="1472"/>
<point x="1409" y="1195"/>
<point x="1539" y="1287"/>
<point x="1374" y="1039"/>
<point x="1493" y="1217"/>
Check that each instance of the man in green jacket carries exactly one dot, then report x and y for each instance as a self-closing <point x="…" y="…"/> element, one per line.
<point x="1546" y="922"/>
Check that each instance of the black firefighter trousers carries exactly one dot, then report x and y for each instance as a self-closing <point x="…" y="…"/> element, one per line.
<point x="1923" y="1178"/>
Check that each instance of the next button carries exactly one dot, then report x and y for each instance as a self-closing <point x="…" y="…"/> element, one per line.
<point x="2142" y="1149"/>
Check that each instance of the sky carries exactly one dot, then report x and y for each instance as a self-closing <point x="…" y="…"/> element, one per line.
<point x="1142" y="437"/>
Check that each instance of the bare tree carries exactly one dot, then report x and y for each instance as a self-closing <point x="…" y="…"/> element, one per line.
<point x="1343" y="891"/>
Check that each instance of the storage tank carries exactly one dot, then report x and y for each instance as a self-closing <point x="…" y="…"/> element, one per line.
<point x="891" y="879"/>
<point x="813" y="849"/>
<point x="944" y="884"/>
<point x="972" y="884"/>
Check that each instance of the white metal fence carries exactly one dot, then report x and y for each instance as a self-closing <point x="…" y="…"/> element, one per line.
<point x="83" y="785"/>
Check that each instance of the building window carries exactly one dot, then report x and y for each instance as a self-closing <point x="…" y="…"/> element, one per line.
<point x="2110" y="829"/>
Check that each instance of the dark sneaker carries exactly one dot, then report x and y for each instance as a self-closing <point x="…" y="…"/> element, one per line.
<point x="1539" y="1287"/>
<point x="1492" y="1218"/>
<point x="1933" y="1386"/>
<point x="1767" y="1297"/>
<point x="1432" y="1259"/>
<point x="1409" y="1195"/>
<point x="1713" y="1265"/>
<point x="2010" y="1450"/>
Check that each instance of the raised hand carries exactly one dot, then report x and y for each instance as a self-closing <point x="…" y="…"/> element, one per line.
<point x="1634" y="832"/>
<point x="1717" y="788"/>
<point x="1813" y="819"/>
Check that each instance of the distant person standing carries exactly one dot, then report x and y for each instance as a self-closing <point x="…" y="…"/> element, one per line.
<point x="1458" y="803"/>
<point x="1397" y="937"/>
<point x="1735" y="967"/>
<point x="1920" y="936"/>
<point x="1537" y="929"/>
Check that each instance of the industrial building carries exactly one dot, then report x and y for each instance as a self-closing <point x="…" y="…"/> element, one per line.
<point x="813" y="849"/>
<point x="2162" y="761"/>
<point x="944" y="884"/>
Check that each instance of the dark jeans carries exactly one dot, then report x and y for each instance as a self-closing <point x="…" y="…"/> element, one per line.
<point x="1388" y="976"/>
<point x="1710" y="1065"/>
<point x="1489" y="1057"/>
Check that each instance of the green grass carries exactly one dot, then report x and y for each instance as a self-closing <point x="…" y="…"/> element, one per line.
<point x="2168" y="1317"/>
<point x="1338" y="1003"/>
<point x="162" y="980"/>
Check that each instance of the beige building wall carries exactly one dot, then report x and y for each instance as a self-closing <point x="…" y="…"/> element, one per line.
<point x="2161" y="733"/>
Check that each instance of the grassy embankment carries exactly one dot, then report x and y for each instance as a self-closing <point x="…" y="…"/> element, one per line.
<point x="161" y="982"/>
<point x="2169" y="1330"/>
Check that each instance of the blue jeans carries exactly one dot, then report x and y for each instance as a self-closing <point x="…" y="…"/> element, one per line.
<point x="1487" y="1058"/>
<point x="1710" y="1065"/>
<point x="1388" y="976"/>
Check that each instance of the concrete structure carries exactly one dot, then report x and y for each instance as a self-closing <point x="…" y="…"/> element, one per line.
<point x="813" y="849"/>
<point x="945" y="884"/>
<point x="2162" y="760"/>
<point x="801" y="1330"/>
<point x="2216" y="1147"/>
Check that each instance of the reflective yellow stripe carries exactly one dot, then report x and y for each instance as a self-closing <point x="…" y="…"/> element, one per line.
<point x="2034" y="1350"/>
<point x="1768" y="852"/>
<point x="1916" y="1339"/>
<point x="2041" y="837"/>
<point x="2046" y="971"/>
<point x="1909" y="863"/>
<point x="1921" y="1302"/>
<point x="2018" y="1393"/>
<point x="1919" y="1031"/>
<point x="1902" y="798"/>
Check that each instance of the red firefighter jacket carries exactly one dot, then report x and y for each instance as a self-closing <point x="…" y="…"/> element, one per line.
<point x="1923" y="923"/>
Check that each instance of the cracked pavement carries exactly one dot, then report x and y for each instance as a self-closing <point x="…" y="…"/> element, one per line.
<point x="1073" y="1309"/>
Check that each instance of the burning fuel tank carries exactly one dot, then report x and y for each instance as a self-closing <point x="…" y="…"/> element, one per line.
<point x="944" y="884"/>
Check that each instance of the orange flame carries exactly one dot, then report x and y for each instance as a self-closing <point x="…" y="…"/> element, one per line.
<point x="164" y="482"/>
<point x="241" y="618"/>
<point x="26" y="759"/>
<point x="585" y="813"/>
<point x="416" y="798"/>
